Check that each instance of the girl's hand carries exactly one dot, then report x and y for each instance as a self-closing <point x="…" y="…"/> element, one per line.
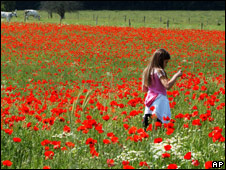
<point x="179" y="73"/>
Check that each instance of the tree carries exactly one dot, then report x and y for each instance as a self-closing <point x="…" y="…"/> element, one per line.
<point x="8" y="5"/>
<point x="60" y="7"/>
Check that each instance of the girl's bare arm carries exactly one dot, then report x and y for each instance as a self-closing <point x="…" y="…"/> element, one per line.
<point x="169" y="83"/>
<point x="144" y="88"/>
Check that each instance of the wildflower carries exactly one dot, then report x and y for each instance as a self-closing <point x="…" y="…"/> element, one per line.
<point x="167" y="147"/>
<point x="7" y="163"/>
<point x="157" y="140"/>
<point x="208" y="164"/>
<point x="70" y="144"/>
<point x="46" y="167"/>
<point x="195" y="162"/>
<point x="106" y="141"/>
<point x="106" y="117"/>
<point x="152" y="108"/>
<point x="128" y="167"/>
<point x="172" y="166"/>
<point x="49" y="154"/>
<point x="125" y="163"/>
<point x="132" y="130"/>
<point x="67" y="129"/>
<point x="110" y="162"/>
<point x="17" y="140"/>
<point x="165" y="155"/>
<point x="187" y="156"/>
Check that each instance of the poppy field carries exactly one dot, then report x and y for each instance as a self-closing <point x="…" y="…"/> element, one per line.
<point x="71" y="98"/>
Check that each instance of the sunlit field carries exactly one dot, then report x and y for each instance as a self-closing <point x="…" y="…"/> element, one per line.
<point x="71" y="97"/>
<point x="205" y="20"/>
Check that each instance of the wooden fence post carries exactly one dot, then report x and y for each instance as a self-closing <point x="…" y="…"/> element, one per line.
<point x="129" y="23"/>
<point x="125" y="18"/>
<point x="201" y="26"/>
<point x="167" y="23"/>
<point x="144" y="19"/>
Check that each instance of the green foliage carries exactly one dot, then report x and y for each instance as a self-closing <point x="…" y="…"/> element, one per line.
<point x="8" y="5"/>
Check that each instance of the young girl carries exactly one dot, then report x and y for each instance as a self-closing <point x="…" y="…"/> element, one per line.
<point x="155" y="83"/>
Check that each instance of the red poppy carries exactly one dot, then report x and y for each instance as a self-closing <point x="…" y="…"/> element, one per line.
<point x="106" y="141"/>
<point x="169" y="131"/>
<point x="172" y="166"/>
<point x="125" y="163"/>
<point x="167" y="147"/>
<point x="70" y="144"/>
<point x="17" y="140"/>
<point x="195" y="162"/>
<point x="187" y="156"/>
<point x="132" y="130"/>
<point x="49" y="154"/>
<point x="208" y="164"/>
<point x="114" y="139"/>
<point x="186" y="126"/>
<point x="152" y="108"/>
<point x="67" y="129"/>
<point x="126" y="126"/>
<point x="45" y="142"/>
<point x="36" y="128"/>
<point x="149" y="128"/>
<point x="157" y="140"/>
<point x="128" y="167"/>
<point x="196" y="122"/>
<point x="110" y="162"/>
<point x="7" y="163"/>
<point x="165" y="155"/>
<point x="46" y="167"/>
<point x="144" y="164"/>
<point x="106" y="117"/>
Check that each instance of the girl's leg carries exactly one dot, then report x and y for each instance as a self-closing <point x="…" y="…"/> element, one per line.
<point x="159" y="120"/>
<point x="145" y="120"/>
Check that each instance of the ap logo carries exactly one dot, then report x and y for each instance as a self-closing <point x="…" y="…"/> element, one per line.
<point x="217" y="164"/>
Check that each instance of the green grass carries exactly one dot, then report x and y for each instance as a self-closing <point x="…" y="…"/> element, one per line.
<point x="212" y="20"/>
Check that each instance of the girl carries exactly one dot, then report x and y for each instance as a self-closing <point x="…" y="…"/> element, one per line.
<point x="155" y="83"/>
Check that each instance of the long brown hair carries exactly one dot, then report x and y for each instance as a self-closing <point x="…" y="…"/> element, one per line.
<point x="157" y="61"/>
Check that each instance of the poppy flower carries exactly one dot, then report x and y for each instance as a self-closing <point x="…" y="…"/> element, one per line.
<point x="7" y="163"/>
<point x="67" y="129"/>
<point x="186" y="126"/>
<point x="106" y="141"/>
<point x="152" y="108"/>
<point x="165" y="155"/>
<point x="149" y="128"/>
<point x="167" y="147"/>
<point x="144" y="164"/>
<point x="114" y="139"/>
<point x="17" y="140"/>
<point x="172" y="166"/>
<point x="110" y="162"/>
<point x="70" y="144"/>
<point x="106" y="117"/>
<point x="208" y="164"/>
<point x="195" y="162"/>
<point x="49" y="154"/>
<point x="46" y="167"/>
<point x="187" y="156"/>
<point x="128" y="167"/>
<point x="125" y="163"/>
<point x="157" y="140"/>
<point x="132" y="130"/>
